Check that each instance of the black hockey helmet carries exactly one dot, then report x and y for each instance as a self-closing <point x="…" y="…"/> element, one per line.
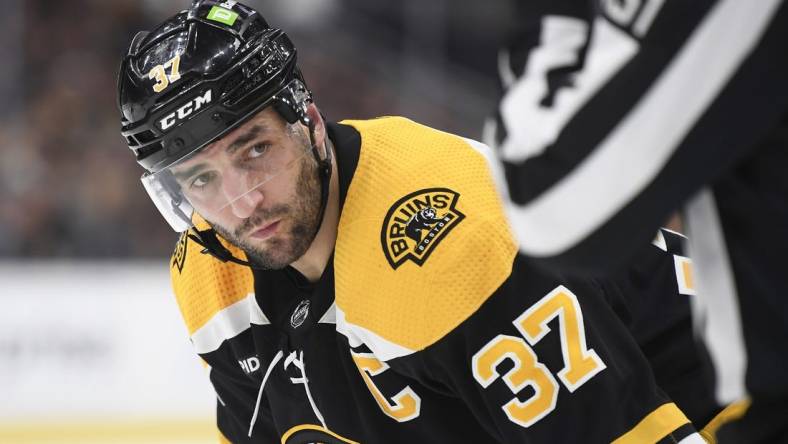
<point x="196" y="77"/>
<point x="200" y="74"/>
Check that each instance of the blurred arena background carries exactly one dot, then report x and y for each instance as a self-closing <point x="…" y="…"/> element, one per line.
<point x="92" y="348"/>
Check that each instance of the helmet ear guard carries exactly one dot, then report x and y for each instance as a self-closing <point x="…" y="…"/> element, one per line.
<point x="292" y="102"/>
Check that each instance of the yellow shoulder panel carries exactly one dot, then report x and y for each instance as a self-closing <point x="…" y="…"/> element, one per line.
<point x="204" y="285"/>
<point x="423" y="239"/>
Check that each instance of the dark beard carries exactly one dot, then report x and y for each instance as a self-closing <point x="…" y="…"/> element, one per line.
<point x="284" y="248"/>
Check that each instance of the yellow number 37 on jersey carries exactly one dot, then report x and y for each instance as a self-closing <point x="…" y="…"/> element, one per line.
<point x="580" y="363"/>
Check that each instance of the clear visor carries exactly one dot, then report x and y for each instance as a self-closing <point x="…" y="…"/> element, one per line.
<point x="217" y="182"/>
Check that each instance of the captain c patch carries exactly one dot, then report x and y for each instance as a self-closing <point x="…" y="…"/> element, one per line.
<point x="416" y="224"/>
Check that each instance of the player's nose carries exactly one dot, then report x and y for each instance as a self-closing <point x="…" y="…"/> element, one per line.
<point x="244" y="206"/>
<point x="242" y="199"/>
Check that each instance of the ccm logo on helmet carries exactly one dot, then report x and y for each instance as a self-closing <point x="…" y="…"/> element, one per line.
<point x="185" y="111"/>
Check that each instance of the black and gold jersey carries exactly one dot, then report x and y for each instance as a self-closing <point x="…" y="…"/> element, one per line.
<point x="426" y="326"/>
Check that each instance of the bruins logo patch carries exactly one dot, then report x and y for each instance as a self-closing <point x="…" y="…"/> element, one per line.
<point x="416" y="224"/>
<point x="179" y="255"/>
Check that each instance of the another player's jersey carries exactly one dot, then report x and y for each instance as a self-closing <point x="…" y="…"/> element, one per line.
<point x="616" y="114"/>
<point x="658" y="290"/>
<point x="426" y="326"/>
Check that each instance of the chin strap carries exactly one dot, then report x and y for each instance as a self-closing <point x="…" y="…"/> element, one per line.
<point x="211" y="245"/>
<point x="210" y="241"/>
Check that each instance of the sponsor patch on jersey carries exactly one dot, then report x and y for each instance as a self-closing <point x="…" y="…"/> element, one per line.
<point x="179" y="255"/>
<point x="416" y="224"/>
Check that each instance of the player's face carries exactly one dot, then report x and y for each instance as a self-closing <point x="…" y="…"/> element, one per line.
<point x="259" y="188"/>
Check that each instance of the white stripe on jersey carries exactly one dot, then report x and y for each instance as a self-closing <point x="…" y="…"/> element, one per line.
<point x="693" y="439"/>
<point x="382" y="348"/>
<point x="716" y="299"/>
<point x="330" y="316"/>
<point x="647" y="17"/>
<point x="659" y="241"/>
<point x="614" y="173"/>
<point x="228" y="323"/>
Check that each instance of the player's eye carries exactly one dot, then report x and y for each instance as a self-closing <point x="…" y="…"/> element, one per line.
<point x="257" y="150"/>
<point x="202" y="180"/>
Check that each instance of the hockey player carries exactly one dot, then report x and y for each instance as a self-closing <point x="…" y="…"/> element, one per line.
<point x="617" y="114"/>
<point x="357" y="282"/>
